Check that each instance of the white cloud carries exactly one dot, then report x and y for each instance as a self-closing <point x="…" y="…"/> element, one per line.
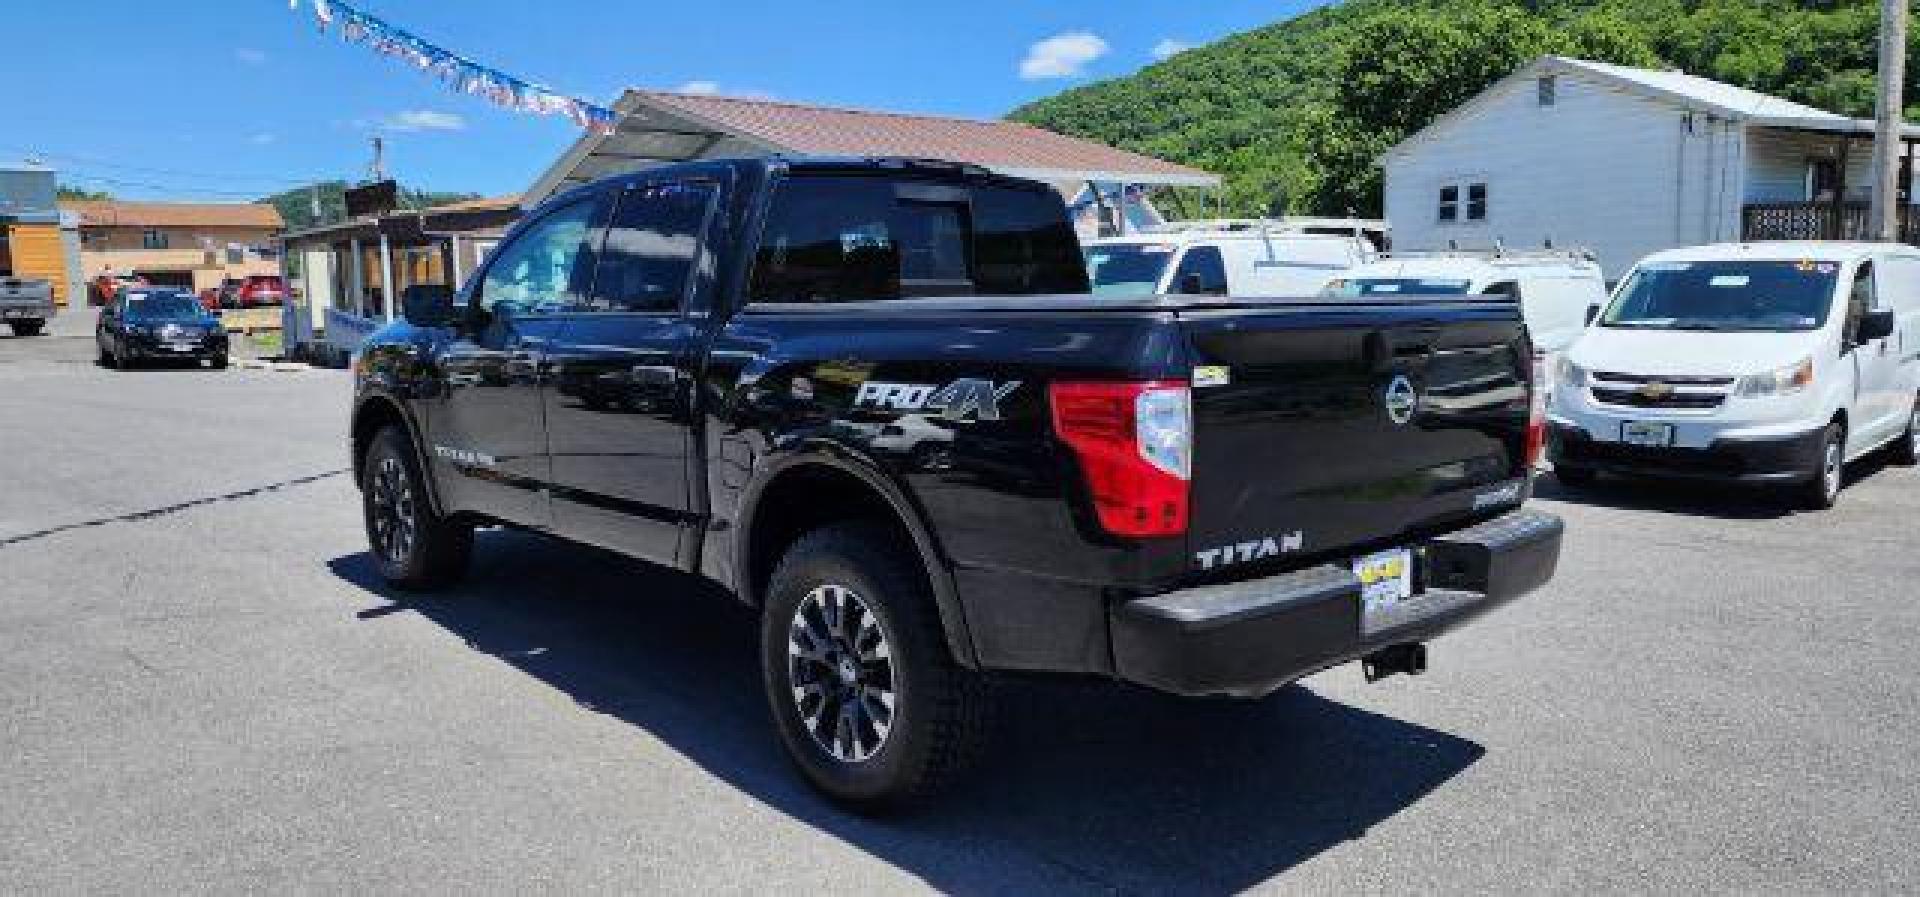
<point x="250" y="56"/>
<point x="1062" y="55"/>
<point x="423" y="120"/>
<point x="704" y="88"/>
<point x="262" y="139"/>
<point x="1169" y="47"/>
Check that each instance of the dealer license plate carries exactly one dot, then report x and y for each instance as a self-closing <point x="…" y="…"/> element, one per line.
<point x="1639" y="433"/>
<point x="1386" y="582"/>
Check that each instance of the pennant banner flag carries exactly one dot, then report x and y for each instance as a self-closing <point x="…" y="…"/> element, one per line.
<point x="456" y="71"/>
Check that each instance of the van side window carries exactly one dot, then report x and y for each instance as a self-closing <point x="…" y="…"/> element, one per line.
<point x="652" y="243"/>
<point x="1202" y="271"/>
<point x="545" y="268"/>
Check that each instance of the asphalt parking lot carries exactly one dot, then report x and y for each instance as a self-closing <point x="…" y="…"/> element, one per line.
<point x="203" y="688"/>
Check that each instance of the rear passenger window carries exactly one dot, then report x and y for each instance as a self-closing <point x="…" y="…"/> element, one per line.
<point x="652" y="244"/>
<point x="843" y="239"/>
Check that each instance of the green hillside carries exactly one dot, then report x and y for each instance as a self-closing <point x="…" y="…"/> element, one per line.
<point x="1294" y="114"/>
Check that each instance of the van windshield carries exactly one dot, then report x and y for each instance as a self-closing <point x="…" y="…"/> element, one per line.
<point x="1389" y="287"/>
<point x="1776" y="296"/>
<point x="1127" y="269"/>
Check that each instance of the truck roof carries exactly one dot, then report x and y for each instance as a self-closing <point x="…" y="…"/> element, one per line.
<point x="1782" y="250"/>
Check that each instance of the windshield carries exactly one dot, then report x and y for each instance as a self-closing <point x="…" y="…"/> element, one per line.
<point x="1389" y="287"/>
<point x="1127" y="269"/>
<point x="161" y="305"/>
<point x="1731" y="295"/>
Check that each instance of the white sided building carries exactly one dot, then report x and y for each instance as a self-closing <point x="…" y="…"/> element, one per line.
<point x="1624" y="162"/>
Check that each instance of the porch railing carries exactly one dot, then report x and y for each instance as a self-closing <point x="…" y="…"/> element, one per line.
<point x="1816" y="220"/>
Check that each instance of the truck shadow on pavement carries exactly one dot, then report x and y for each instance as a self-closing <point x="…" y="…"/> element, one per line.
<point x="1098" y="786"/>
<point x="1697" y="498"/>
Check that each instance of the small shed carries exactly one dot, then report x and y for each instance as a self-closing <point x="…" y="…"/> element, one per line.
<point x="347" y="277"/>
<point x="30" y="239"/>
<point x="660" y="128"/>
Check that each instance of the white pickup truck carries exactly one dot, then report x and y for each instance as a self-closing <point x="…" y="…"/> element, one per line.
<point x="26" y="304"/>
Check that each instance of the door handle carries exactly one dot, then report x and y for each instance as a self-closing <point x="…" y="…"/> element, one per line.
<point x="655" y="374"/>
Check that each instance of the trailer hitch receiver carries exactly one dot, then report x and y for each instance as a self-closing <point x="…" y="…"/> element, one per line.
<point x="1408" y="658"/>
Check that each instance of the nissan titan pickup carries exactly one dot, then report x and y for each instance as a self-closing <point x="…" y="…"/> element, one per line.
<point x="876" y="401"/>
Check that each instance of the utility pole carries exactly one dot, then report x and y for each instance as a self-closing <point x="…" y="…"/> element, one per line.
<point x="1887" y="124"/>
<point x="379" y="167"/>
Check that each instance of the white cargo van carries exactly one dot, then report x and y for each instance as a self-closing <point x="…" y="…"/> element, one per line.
<point x="1555" y="287"/>
<point x="1761" y="362"/>
<point x="1220" y="263"/>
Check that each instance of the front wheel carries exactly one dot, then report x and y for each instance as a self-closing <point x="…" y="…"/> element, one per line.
<point x="28" y="327"/>
<point x="219" y="362"/>
<point x="413" y="547"/>
<point x="866" y="698"/>
<point x="1822" y="490"/>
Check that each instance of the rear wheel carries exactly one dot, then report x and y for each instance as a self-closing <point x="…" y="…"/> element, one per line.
<point x="219" y="362"/>
<point x="413" y="547"/>
<point x="1906" y="451"/>
<point x="867" y="701"/>
<point x="29" y="327"/>
<point x="1822" y="490"/>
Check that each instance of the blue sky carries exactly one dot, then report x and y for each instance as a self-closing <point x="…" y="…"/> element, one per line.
<point x="227" y="99"/>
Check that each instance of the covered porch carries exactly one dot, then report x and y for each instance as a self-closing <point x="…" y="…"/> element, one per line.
<point x="1814" y="181"/>
<point x="349" y="279"/>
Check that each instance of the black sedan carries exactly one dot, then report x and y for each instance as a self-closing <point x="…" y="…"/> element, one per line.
<point x="157" y="323"/>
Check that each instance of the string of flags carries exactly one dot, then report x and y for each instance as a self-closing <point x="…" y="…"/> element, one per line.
<point x="457" y="72"/>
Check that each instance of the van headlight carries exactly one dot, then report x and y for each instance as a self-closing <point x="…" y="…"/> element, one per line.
<point x="1570" y="374"/>
<point x="1783" y="382"/>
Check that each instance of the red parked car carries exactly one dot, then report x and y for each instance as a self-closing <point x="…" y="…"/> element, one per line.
<point x="253" y="291"/>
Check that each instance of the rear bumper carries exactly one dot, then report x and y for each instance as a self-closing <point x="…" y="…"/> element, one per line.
<point x="1248" y="638"/>
<point x="1788" y="459"/>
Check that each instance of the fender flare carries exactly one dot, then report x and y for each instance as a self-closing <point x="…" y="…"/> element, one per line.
<point x="946" y="596"/>
<point x="408" y="423"/>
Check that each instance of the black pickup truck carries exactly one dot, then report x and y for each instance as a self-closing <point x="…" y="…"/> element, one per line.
<point x="874" y="399"/>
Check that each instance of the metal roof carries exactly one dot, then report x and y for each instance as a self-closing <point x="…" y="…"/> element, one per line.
<point x="658" y="128"/>
<point x="1690" y="92"/>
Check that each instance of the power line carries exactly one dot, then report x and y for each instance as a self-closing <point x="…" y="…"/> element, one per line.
<point x="147" y="169"/>
<point x="148" y="185"/>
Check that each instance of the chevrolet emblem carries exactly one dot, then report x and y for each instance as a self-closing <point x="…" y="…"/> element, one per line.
<point x="1656" y="391"/>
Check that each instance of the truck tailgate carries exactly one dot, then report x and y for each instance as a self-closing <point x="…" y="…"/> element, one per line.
<point x="1322" y="429"/>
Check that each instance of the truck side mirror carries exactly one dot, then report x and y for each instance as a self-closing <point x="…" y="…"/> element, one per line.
<point x="427" y="307"/>
<point x="1593" y="313"/>
<point x="1874" y="325"/>
<point x="1192" y="284"/>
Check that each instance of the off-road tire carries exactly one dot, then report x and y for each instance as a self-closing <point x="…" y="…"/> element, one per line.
<point x="438" y="550"/>
<point x="940" y="713"/>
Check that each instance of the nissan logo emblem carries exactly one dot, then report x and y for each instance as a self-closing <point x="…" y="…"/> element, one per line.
<point x="1401" y="400"/>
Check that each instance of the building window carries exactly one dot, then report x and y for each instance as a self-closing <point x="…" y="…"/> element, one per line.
<point x="1823" y="178"/>
<point x="152" y="238"/>
<point x="1463" y="202"/>
<point x="1547" y="87"/>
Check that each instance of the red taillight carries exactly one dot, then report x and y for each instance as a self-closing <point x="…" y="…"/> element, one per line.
<point x="1537" y="413"/>
<point x="1135" y="445"/>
